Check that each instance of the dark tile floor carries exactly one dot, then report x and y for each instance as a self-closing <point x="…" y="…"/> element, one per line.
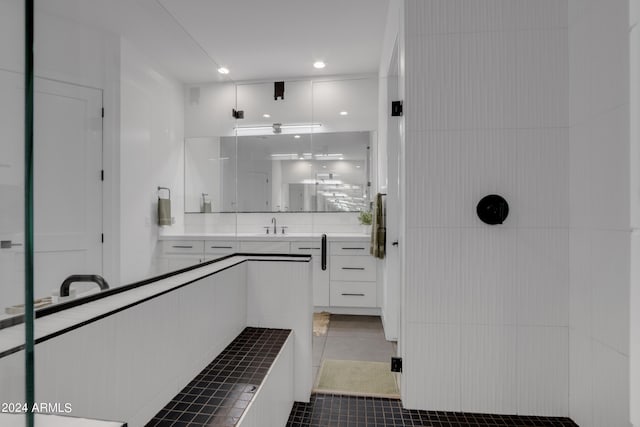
<point x="330" y="410"/>
<point x="219" y="394"/>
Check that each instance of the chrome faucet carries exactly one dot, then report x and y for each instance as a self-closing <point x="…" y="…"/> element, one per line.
<point x="98" y="280"/>
<point x="275" y="228"/>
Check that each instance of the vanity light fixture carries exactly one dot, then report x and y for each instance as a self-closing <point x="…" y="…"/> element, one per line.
<point x="223" y="70"/>
<point x="266" y="129"/>
<point x="319" y="65"/>
<point x="344" y="113"/>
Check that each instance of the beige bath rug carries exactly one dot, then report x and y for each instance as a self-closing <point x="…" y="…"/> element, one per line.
<point x="357" y="378"/>
<point x="320" y="323"/>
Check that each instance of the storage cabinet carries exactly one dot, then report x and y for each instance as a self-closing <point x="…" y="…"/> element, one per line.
<point x="353" y="275"/>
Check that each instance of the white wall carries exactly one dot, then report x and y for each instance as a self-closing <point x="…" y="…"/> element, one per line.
<point x="599" y="212"/>
<point x="486" y="111"/>
<point x="151" y="155"/>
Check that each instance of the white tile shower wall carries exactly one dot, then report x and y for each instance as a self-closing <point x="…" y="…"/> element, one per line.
<point x="487" y="112"/>
<point x="601" y="212"/>
<point x="634" y="49"/>
<point x="335" y="222"/>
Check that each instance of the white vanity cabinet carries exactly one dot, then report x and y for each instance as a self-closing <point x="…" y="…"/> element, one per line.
<point x="320" y="276"/>
<point x="178" y="254"/>
<point x="265" y="246"/>
<point x="353" y="277"/>
<point x="347" y="285"/>
<point x="218" y="248"/>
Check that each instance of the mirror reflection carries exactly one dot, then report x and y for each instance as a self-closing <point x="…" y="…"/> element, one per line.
<point x="324" y="172"/>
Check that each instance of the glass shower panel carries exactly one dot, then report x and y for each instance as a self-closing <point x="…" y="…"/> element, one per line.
<point x="16" y="376"/>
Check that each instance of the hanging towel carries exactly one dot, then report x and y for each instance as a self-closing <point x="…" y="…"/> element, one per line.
<point x="164" y="211"/>
<point x="378" y="229"/>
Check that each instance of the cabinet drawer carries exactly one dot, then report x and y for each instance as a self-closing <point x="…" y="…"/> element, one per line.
<point x="353" y="294"/>
<point x="349" y="248"/>
<point x="183" y="247"/>
<point x="311" y="247"/>
<point x="353" y="268"/>
<point x="265" y="247"/>
<point x="217" y="247"/>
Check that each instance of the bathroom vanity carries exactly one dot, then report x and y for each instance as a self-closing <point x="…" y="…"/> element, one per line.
<point x="346" y="283"/>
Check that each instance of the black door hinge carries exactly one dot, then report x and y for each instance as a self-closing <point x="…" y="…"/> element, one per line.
<point x="237" y="114"/>
<point x="396" y="364"/>
<point x="102" y="112"/>
<point x="396" y="108"/>
<point x="102" y="175"/>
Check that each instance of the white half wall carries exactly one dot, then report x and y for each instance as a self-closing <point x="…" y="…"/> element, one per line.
<point x="485" y="321"/>
<point x="151" y="155"/>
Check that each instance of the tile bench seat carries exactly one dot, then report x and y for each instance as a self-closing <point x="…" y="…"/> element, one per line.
<point x="219" y="395"/>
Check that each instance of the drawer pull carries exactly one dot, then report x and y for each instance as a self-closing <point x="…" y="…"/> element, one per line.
<point x="353" y="249"/>
<point x="308" y="248"/>
<point x="352" y="295"/>
<point x="182" y="247"/>
<point x="353" y="268"/>
<point x="221" y="247"/>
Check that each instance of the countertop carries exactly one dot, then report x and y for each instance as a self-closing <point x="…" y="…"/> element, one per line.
<point x="263" y="236"/>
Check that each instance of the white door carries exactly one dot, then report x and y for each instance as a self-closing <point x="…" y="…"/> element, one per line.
<point x="67" y="183"/>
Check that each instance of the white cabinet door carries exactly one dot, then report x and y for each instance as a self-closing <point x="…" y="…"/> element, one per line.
<point x="320" y="276"/>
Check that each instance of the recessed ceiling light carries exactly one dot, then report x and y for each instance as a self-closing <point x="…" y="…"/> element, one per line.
<point x="319" y="65"/>
<point x="301" y="158"/>
<point x="344" y="113"/>
<point x="324" y="167"/>
<point x="266" y="116"/>
<point x="223" y="70"/>
<point x="358" y="166"/>
<point x="341" y="158"/>
<point x="296" y="136"/>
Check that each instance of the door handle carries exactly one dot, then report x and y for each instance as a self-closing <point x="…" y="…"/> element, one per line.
<point x="8" y="244"/>
<point x="395" y="243"/>
<point x="323" y="256"/>
<point x="353" y="268"/>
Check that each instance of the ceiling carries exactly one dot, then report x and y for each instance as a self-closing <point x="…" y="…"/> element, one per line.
<point x="255" y="39"/>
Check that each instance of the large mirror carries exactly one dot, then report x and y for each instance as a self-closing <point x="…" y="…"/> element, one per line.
<point x="278" y="173"/>
<point x="307" y="150"/>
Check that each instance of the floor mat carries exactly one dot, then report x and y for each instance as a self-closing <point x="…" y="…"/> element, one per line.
<point x="357" y="378"/>
<point x="320" y="323"/>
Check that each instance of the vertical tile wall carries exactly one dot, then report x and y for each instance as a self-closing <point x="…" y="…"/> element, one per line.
<point x="486" y="110"/>
<point x="599" y="215"/>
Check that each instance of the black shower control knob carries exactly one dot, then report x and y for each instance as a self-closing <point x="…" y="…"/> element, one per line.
<point x="492" y="209"/>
